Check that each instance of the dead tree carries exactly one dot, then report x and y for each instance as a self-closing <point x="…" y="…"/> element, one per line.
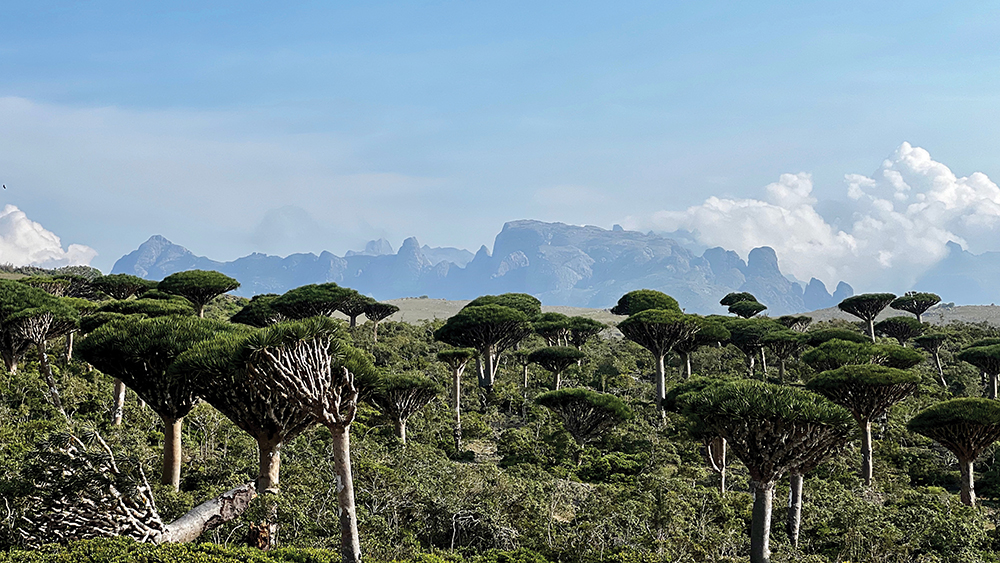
<point x="82" y="490"/>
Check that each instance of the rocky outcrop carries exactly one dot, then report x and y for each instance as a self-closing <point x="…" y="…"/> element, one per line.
<point x="560" y="264"/>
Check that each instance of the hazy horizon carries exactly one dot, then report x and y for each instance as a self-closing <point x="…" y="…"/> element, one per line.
<point x="855" y="139"/>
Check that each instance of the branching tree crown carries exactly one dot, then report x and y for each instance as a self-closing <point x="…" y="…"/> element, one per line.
<point x="198" y="286"/>
<point x="311" y="300"/>
<point x="399" y="396"/>
<point x="737" y="297"/>
<point x="644" y="299"/>
<point x="866" y="307"/>
<point x="258" y="312"/>
<point x="586" y="414"/>
<point x="966" y="426"/>
<point x="122" y="286"/>
<point x="915" y="302"/>
<point x="900" y="328"/>
<point x="817" y="337"/>
<point x="527" y="304"/>
<point x="747" y="309"/>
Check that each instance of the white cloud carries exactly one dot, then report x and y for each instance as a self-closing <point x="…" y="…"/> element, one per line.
<point x="904" y="214"/>
<point x="24" y="242"/>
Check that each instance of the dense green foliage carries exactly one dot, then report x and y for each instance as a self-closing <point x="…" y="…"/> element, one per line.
<point x="522" y="489"/>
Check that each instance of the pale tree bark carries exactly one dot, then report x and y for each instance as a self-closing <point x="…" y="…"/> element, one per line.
<point x="118" y="409"/>
<point x="456" y="403"/>
<point x="50" y="380"/>
<point x="661" y="384"/>
<point x="106" y="511"/>
<point x="763" y="365"/>
<point x="209" y="515"/>
<point x="968" y="484"/>
<point x="866" y="451"/>
<point x="794" y="508"/>
<point x="172" y="452"/>
<point x="760" y="530"/>
<point x="269" y="467"/>
<point x="715" y="455"/>
<point x="937" y="363"/>
<point x="992" y="386"/>
<point x="350" y="542"/>
<point x="68" y="354"/>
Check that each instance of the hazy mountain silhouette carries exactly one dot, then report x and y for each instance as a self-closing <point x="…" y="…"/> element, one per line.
<point x="560" y="264"/>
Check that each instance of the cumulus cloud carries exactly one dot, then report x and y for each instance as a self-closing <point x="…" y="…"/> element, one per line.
<point x="904" y="215"/>
<point x="24" y="242"/>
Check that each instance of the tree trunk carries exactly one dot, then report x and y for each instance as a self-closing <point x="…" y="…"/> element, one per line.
<point x="716" y="450"/>
<point x="350" y="545"/>
<point x="50" y="380"/>
<point x="794" y="508"/>
<point x="456" y="405"/>
<point x="763" y="365"/>
<point x="781" y="370"/>
<point x="992" y="386"/>
<point x="937" y="362"/>
<point x="375" y="332"/>
<point x="118" y="410"/>
<point x="661" y="383"/>
<point x="525" y="374"/>
<point x="209" y="515"/>
<point x="558" y="375"/>
<point x="866" y="451"/>
<point x="491" y="368"/>
<point x="751" y="363"/>
<point x="201" y="311"/>
<point x="968" y="482"/>
<point x="871" y="329"/>
<point x="760" y="526"/>
<point x="401" y="430"/>
<point x="68" y="355"/>
<point x="171" y="474"/>
<point x="269" y="468"/>
<point x="687" y="365"/>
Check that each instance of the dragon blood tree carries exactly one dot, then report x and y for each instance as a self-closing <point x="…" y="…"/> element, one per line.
<point x="915" y="302"/>
<point x="553" y="327"/>
<point x="644" y="299"/>
<point x="966" y="426"/>
<point x="457" y="359"/>
<point x="867" y="391"/>
<point x="658" y="330"/>
<point x="586" y="414"/>
<point x="490" y="330"/>
<point x="866" y="307"/>
<point x="900" y="328"/>
<point x="932" y="344"/>
<point x="556" y="359"/>
<point x="713" y="446"/>
<point x="711" y="333"/>
<point x="310" y="364"/>
<point x="354" y="306"/>
<point x="772" y="429"/>
<point x="198" y="286"/>
<point x="987" y="359"/>
<point x="139" y="352"/>
<point x="399" y="396"/>
<point x="378" y="312"/>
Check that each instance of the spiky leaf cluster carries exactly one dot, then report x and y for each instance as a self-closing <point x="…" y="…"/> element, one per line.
<point x="866" y="390"/>
<point x="586" y="414"/>
<point x="771" y="428"/>
<point x="966" y="425"/>
<point x="644" y="299"/>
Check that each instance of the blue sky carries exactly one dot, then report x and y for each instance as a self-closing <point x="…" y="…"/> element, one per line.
<point x="282" y="127"/>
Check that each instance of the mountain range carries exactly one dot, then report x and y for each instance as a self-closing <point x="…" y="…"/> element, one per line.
<point x="560" y="264"/>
